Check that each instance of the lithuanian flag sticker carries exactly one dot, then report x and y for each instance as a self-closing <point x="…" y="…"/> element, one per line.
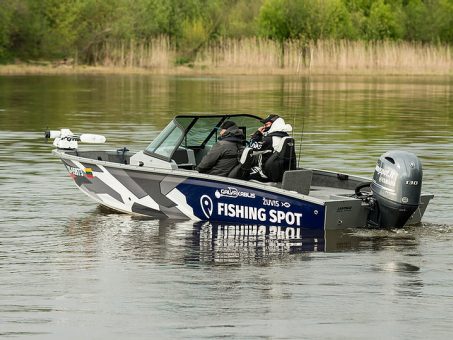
<point x="89" y="173"/>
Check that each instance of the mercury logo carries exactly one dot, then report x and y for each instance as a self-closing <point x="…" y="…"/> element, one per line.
<point x="206" y="205"/>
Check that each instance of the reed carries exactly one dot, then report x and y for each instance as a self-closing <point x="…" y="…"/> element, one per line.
<point x="327" y="56"/>
<point x="156" y="53"/>
<point x="259" y="56"/>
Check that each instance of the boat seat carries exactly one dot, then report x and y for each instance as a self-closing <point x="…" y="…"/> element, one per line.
<point x="200" y="153"/>
<point x="242" y="170"/>
<point x="297" y="180"/>
<point x="184" y="158"/>
<point x="283" y="159"/>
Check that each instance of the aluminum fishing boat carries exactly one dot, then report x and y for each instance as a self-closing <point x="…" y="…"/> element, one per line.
<point x="162" y="181"/>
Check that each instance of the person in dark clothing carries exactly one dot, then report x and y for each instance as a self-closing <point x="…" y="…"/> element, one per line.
<point x="223" y="156"/>
<point x="261" y="140"/>
<point x="264" y="141"/>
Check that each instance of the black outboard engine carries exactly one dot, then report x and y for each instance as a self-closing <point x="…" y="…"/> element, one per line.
<point x="396" y="189"/>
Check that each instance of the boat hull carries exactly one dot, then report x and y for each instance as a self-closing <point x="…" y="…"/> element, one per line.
<point x="184" y="194"/>
<point x="170" y="194"/>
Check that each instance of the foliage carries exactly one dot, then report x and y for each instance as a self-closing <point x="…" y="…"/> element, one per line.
<point x="444" y="16"/>
<point x="31" y="29"/>
<point x="384" y="22"/>
<point x="6" y="12"/>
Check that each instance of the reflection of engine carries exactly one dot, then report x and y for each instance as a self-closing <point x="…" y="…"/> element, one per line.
<point x="396" y="189"/>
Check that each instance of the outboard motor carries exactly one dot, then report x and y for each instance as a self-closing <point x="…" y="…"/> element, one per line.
<point x="396" y="189"/>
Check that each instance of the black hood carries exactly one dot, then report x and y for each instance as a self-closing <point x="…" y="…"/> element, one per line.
<point x="233" y="134"/>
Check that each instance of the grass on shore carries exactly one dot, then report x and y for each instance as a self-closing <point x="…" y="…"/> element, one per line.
<point x="257" y="56"/>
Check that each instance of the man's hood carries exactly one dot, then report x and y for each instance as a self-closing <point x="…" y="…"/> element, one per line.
<point x="233" y="134"/>
<point x="280" y="126"/>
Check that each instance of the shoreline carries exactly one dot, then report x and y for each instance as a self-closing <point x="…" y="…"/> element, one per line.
<point x="31" y="69"/>
<point x="251" y="56"/>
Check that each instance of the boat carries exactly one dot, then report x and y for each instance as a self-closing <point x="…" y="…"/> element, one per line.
<point x="162" y="181"/>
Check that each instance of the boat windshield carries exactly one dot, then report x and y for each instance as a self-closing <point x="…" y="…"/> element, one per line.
<point x="165" y="142"/>
<point x="196" y="132"/>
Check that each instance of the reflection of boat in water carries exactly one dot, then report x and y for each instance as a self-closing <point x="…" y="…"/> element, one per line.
<point x="210" y="242"/>
<point x="226" y="242"/>
<point x="161" y="181"/>
<point x="236" y="240"/>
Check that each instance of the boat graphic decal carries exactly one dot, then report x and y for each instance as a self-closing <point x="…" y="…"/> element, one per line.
<point x="233" y="192"/>
<point x="178" y="197"/>
<point x="99" y="187"/>
<point x="219" y="201"/>
<point x="150" y="184"/>
<point x="144" y="210"/>
<point x="93" y="167"/>
<point x="123" y="177"/>
<point x="90" y="184"/>
<point x="206" y="206"/>
<point x="89" y="173"/>
<point x="169" y="183"/>
<point x="76" y="172"/>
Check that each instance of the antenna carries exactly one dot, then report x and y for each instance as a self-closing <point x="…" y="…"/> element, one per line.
<point x="300" y="139"/>
<point x="294" y="144"/>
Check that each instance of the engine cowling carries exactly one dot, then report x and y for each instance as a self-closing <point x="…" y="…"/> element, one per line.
<point x="396" y="188"/>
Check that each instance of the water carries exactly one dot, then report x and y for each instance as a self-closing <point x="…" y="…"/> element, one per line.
<point x="69" y="269"/>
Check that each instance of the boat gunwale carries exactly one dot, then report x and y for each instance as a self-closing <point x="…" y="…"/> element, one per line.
<point x="255" y="185"/>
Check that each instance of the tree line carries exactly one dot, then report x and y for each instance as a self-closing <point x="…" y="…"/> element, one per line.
<point x="54" y="29"/>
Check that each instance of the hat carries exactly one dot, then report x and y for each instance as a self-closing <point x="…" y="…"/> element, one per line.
<point x="227" y="124"/>
<point x="270" y="118"/>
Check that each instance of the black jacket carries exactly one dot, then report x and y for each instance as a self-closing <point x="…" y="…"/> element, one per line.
<point x="264" y="145"/>
<point x="260" y="142"/>
<point x="223" y="156"/>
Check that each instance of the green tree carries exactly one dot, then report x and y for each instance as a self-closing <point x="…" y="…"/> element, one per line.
<point x="273" y="20"/>
<point x="385" y="22"/>
<point x="31" y="29"/>
<point x="241" y="20"/>
<point x="28" y="30"/>
<point x="418" y="21"/>
<point x="151" y="18"/>
<point x="203" y="23"/>
<point x="327" y="19"/>
<point x="444" y="16"/>
<point x="307" y="19"/>
<point x="359" y="11"/>
<point x="62" y="26"/>
<point x="6" y="14"/>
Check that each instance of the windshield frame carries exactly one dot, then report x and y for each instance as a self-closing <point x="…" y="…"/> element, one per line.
<point x="168" y="130"/>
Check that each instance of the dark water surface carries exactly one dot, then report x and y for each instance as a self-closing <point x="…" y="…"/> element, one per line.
<point x="69" y="269"/>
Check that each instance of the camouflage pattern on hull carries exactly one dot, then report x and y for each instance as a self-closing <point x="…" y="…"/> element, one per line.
<point x="133" y="190"/>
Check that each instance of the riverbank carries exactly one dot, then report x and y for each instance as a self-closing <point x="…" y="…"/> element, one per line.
<point x="255" y="56"/>
<point x="25" y="69"/>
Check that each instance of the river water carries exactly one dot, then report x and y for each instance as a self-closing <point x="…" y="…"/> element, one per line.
<point x="69" y="269"/>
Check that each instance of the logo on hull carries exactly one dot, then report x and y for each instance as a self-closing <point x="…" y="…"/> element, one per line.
<point x="232" y="192"/>
<point x="206" y="205"/>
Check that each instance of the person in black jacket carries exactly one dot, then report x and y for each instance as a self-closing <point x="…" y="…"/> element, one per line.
<point x="223" y="156"/>
<point x="261" y="140"/>
<point x="264" y="141"/>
